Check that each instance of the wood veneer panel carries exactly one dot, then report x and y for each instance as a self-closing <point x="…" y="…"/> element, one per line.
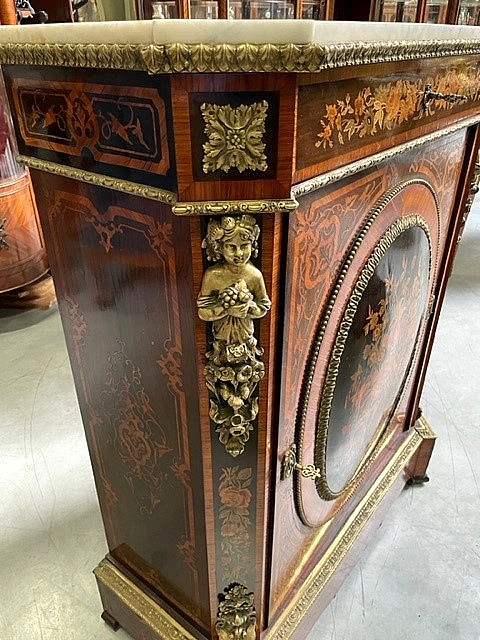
<point x="22" y="254"/>
<point x="233" y="91"/>
<point x="123" y="277"/>
<point x="97" y="121"/>
<point x="343" y="121"/>
<point x="325" y="226"/>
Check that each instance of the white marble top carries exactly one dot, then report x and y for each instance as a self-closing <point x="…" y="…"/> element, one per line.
<point x="233" y="32"/>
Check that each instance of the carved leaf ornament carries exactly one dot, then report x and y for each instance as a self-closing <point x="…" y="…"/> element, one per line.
<point x="235" y="137"/>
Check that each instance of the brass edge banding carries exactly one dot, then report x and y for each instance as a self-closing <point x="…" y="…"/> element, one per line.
<point x="306" y="595"/>
<point x="180" y="58"/>
<point x="424" y="429"/>
<point x="224" y="207"/>
<point x="133" y="188"/>
<point x="303" y="188"/>
<point x="149" y="611"/>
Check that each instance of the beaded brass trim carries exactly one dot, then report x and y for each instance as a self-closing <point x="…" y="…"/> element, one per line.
<point x="180" y="58"/>
<point x="149" y="611"/>
<point x="318" y="182"/>
<point x="144" y="191"/>
<point x="226" y="207"/>
<point x="305" y="597"/>
<point x="306" y="390"/>
<point x="389" y="237"/>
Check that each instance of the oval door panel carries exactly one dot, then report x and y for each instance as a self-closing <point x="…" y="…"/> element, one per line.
<point x="365" y="348"/>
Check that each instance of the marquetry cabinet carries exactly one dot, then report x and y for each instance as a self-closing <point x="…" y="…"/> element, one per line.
<point x="22" y="251"/>
<point x="250" y="238"/>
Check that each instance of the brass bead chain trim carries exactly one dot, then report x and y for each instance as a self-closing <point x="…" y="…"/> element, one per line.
<point x="392" y="233"/>
<point x="149" y="611"/>
<point x="305" y="597"/>
<point x="133" y="188"/>
<point x="180" y="58"/>
<point x="227" y="207"/>
<point x="318" y="182"/>
<point x="301" y="416"/>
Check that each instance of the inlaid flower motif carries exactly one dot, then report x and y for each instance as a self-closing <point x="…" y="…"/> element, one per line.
<point x="235" y="137"/>
<point x="389" y="105"/>
<point x="235" y="495"/>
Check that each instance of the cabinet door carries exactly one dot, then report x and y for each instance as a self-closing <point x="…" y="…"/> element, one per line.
<point x="364" y="259"/>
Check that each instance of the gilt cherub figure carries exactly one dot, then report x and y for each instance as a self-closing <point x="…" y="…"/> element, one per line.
<point x="232" y="296"/>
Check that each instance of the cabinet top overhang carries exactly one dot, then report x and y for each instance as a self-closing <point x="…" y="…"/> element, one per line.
<point x="179" y="46"/>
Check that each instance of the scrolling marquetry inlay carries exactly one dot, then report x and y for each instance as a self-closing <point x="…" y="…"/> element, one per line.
<point x="235" y="137"/>
<point x="392" y="104"/>
<point x="116" y="128"/>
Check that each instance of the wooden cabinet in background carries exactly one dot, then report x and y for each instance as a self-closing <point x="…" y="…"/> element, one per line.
<point x="22" y="252"/>
<point x="250" y="244"/>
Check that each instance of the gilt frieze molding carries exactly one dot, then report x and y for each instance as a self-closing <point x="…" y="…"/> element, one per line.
<point x="148" y="610"/>
<point x="227" y="207"/>
<point x="97" y="179"/>
<point x="308" y="186"/>
<point x="204" y="58"/>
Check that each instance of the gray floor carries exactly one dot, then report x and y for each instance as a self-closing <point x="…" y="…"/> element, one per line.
<point x="420" y="577"/>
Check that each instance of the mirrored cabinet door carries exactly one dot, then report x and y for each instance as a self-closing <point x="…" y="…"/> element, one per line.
<point x="436" y="11"/>
<point x="396" y="11"/>
<point x="469" y="12"/>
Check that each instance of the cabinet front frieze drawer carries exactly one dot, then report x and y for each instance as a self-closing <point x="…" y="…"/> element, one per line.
<point x="343" y="119"/>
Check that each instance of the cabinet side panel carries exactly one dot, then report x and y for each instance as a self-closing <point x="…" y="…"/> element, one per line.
<point x="122" y="271"/>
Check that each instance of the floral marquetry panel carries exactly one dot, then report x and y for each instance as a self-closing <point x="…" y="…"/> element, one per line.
<point x="364" y="346"/>
<point x="100" y="125"/>
<point x="332" y="328"/>
<point x="352" y="113"/>
<point x="131" y="358"/>
<point x="372" y="353"/>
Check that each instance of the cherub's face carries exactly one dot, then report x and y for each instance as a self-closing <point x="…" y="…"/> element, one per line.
<point x="237" y="250"/>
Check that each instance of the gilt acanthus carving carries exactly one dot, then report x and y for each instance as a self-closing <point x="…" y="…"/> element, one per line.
<point x="232" y="296"/>
<point x="236" y="619"/>
<point x="234" y="137"/>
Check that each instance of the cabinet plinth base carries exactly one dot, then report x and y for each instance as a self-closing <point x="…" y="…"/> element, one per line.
<point x="110" y="620"/>
<point x="134" y="610"/>
<point x="143" y="617"/>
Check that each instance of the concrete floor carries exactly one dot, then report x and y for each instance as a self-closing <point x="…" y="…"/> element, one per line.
<point x="419" y="578"/>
